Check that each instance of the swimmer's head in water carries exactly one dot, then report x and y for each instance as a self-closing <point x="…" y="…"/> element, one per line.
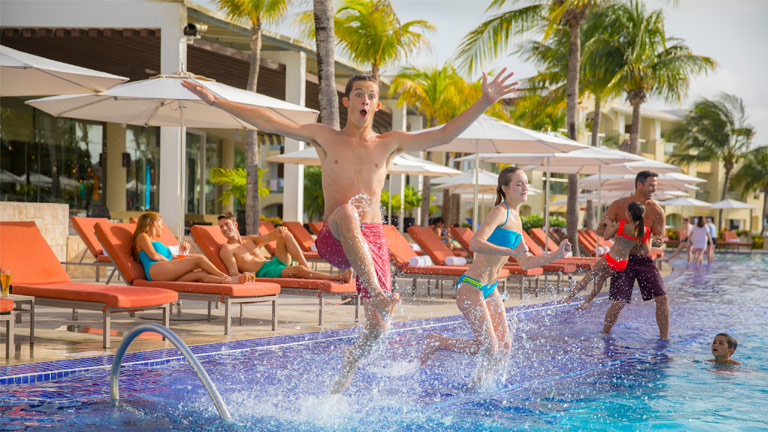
<point x="361" y="98"/>
<point x="513" y="184"/>
<point x="724" y="344"/>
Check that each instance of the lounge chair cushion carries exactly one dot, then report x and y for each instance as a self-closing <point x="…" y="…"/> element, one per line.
<point x="24" y="250"/>
<point x="85" y="227"/>
<point x="6" y="304"/>
<point x="250" y="289"/>
<point x="110" y="295"/>
<point x="117" y="240"/>
<point x="400" y="251"/>
<point x="430" y="243"/>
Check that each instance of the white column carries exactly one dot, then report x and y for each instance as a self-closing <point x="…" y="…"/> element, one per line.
<point x="415" y="123"/>
<point x="399" y="122"/>
<point x="173" y="58"/>
<point x="295" y="92"/>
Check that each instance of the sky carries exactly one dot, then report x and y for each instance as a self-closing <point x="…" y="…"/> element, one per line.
<point x="732" y="32"/>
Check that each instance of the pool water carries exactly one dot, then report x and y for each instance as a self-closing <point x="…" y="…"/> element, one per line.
<point x="561" y="375"/>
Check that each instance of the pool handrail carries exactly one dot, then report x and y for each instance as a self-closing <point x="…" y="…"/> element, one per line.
<point x="114" y="390"/>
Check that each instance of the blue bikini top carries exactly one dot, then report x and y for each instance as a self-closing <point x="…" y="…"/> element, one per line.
<point x="505" y="237"/>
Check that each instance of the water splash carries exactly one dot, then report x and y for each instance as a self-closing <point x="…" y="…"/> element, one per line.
<point x="362" y="203"/>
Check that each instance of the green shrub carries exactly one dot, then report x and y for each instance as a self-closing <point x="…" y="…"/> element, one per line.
<point x="757" y="241"/>
<point x="672" y="234"/>
<point x="532" y="221"/>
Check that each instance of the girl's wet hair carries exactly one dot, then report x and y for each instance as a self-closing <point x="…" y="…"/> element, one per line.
<point x="505" y="176"/>
<point x="145" y="222"/>
<point x="637" y="211"/>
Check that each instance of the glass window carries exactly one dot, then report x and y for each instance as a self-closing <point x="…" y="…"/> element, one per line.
<point x="142" y="176"/>
<point x="48" y="159"/>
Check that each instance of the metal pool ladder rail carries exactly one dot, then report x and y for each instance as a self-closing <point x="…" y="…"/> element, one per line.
<point x="176" y="341"/>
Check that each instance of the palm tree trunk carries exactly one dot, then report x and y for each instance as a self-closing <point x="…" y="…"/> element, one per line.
<point x="723" y="194"/>
<point x="589" y="218"/>
<point x="634" y="131"/>
<point x="765" y="209"/>
<point x="324" y="40"/>
<point x="375" y="71"/>
<point x="252" y="208"/>
<point x="572" y="93"/>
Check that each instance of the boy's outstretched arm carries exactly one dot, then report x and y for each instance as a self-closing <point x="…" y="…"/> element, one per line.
<point x="259" y="117"/>
<point x="492" y="92"/>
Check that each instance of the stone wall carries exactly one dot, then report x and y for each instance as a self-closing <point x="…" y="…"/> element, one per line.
<point x="52" y="219"/>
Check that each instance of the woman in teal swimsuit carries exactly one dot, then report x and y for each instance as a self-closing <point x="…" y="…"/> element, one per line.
<point x="476" y="294"/>
<point x="158" y="261"/>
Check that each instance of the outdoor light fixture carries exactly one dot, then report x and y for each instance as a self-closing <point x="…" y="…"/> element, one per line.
<point x="195" y="30"/>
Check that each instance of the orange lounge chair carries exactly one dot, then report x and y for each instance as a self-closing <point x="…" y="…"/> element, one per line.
<point x="463" y="235"/>
<point x="116" y="238"/>
<point x="730" y="239"/>
<point x="210" y="240"/>
<point x="400" y="253"/>
<point x="7" y="315"/>
<point x="580" y="262"/>
<point x="315" y="227"/>
<point x="85" y="227"/>
<point x="38" y="273"/>
<point x="302" y="236"/>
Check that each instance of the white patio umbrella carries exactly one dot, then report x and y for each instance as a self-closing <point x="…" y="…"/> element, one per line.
<point x="626" y="182"/>
<point x="488" y="135"/>
<point x="686" y="202"/>
<point x="586" y="160"/>
<point x="23" y="74"/>
<point x="732" y="204"/>
<point x="403" y="164"/>
<point x="162" y="101"/>
<point x="608" y="197"/>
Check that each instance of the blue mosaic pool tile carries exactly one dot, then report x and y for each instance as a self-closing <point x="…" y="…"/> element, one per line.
<point x="53" y="370"/>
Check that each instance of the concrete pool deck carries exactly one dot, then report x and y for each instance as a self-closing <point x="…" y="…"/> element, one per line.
<point x="58" y="337"/>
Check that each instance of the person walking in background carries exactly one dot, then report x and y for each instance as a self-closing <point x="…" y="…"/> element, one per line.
<point x="713" y="244"/>
<point x="685" y="241"/>
<point x="700" y="238"/>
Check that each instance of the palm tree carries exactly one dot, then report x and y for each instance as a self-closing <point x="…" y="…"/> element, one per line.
<point x="714" y="129"/>
<point x="324" y="41"/>
<point x="370" y="33"/>
<point x="257" y="13"/>
<point x="653" y="64"/>
<point x="492" y="37"/>
<point x="752" y="175"/>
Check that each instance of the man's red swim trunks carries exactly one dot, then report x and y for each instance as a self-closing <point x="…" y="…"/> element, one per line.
<point x="330" y="249"/>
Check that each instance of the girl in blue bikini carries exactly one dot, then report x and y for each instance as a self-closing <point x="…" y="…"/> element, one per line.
<point x="476" y="294"/>
<point x="158" y="261"/>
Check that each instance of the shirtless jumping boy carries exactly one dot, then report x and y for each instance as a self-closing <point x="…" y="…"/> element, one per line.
<point x="354" y="161"/>
<point x="243" y="254"/>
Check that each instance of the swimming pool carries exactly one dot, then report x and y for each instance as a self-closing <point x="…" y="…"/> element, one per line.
<point x="561" y="374"/>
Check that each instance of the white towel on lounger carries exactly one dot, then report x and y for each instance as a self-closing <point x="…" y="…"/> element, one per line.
<point x="454" y="260"/>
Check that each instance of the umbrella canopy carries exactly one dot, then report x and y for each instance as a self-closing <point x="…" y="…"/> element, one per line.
<point x="23" y="74"/>
<point x="489" y="135"/>
<point x="156" y="102"/>
<point x="162" y="101"/>
<point x="626" y="182"/>
<point x="686" y="202"/>
<point x="581" y="161"/>
<point x="403" y="163"/>
<point x="486" y="180"/>
<point x="731" y="204"/>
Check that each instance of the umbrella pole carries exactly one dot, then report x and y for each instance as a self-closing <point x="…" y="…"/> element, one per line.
<point x="546" y="210"/>
<point x="182" y="172"/>
<point x="474" y="200"/>
<point x="401" y="219"/>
